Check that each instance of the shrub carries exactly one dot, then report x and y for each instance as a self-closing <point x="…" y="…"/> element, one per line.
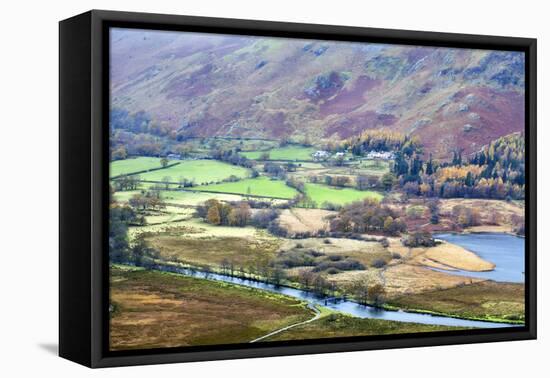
<point x="465" y="216"/>
<point x="275" y="228"/>
<point x="257" y="204"/>
<point x="518" y="224"/>
<point x="419" y="239"/>
<point x="315" y="253"/>
<point x="376" y="294"/>
<point x="263" y="218"/>
<point x="331" y="206"/>
<point x="296" y="258"/>
<point x="347" y="264"/>
<point x="415" y="212"/>
<point x="378" y="263"/>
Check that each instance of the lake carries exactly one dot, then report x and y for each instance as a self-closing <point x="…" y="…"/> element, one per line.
<point x="506" y="251"/>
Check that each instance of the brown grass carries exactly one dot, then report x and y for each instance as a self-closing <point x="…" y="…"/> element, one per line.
<point x="339" y="325"/>
<point x="454" y="256"/>
<point x="487" y="208"/>
<point x="409" y="279"/>
<point x="304" y="220"/>
<point x="488" y="300"/>
<point x="366" y="252"/>
<point x="153" y="309"/>
<point x="212" y="251"/>
<point x="443" y="256"/>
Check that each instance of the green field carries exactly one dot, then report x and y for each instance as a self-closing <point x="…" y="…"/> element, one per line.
<point x="323" y="193"/>
<point x="372" y="167"/>
<point x="194" y="198"/>
<point x="283" y="153"/>
<point x="125" y="195"/>
<point x="127" y="166"/>
<point x="260" y="186"/>
<point x="201" y="171"/>
<point x="181" y="198"/>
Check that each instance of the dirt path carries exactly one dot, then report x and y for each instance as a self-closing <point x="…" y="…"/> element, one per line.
<point x="317" y="316"/>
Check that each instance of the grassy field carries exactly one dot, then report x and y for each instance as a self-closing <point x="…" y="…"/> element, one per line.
<point x="125" y="195"/>
<point x="283" y="153"/>
<point x="169" y="215"/>
<point x="127" y="166"/>
<point x="452" y="256"/>
<point x="310" y="165"/>
<point x="304" y="220"/>
<point x="201" y="171"/>
<point x="484" y="300"/>
<point x="180" y="198"/>
<point x="260" y="186"/>
<point x="373" y="167"/>
<point x="151" y="309"/>
<point x="241" y="251"/>
<point x="194" y="198"/>
<point x="339" y="325"/>
<point x="322" y="193"/>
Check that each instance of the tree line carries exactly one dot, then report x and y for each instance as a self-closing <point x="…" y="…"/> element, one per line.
<point x="120" y="250"/>
<point x="366" y="217"/>
<point x="497" y="171"/>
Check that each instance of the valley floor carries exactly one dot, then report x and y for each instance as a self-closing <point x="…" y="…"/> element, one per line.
<point x="151" y="309"/>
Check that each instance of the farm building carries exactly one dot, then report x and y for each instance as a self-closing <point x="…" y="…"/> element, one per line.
<point x="383" y="155"/>
<point x="321" y="155"/>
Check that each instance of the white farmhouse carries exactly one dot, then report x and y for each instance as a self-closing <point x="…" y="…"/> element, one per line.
<point x="320" y="155"/>
<point x="173" y="157"/>
<point x="381" y="155"/>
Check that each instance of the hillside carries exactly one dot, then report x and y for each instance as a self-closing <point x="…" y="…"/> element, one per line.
<point x="213" y="85"/>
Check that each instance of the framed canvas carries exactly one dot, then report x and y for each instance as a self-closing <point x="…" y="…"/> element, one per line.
<point x="234" y="188"/>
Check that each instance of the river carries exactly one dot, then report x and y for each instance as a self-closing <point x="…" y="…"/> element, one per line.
<point x="506" y="251"/>
<point x="344" y="306"/>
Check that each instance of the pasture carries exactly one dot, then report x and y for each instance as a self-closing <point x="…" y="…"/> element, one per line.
<point x="201" y="172"/>
<point x="178" y="198"/>
<point x="320" y="194"/>
<point x="288" y="153"/>
<point x="259" y="186"/>
<point x="138" y="164"/>
<point x="373" y="167"/>
<point x="185" y="198"/>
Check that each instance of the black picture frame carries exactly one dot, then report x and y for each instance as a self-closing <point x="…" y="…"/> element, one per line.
<point x="83" y="196"/>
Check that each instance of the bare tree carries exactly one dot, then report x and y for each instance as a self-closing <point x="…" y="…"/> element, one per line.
<point x="305" y="277"/>
<point x="377" y="294"/>
<point x="225" y="264"/>
<point x="359" y="288"/>
<point x="166" y="181"/>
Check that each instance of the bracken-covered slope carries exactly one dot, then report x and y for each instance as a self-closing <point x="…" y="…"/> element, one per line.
<point x="205" y="85"/>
